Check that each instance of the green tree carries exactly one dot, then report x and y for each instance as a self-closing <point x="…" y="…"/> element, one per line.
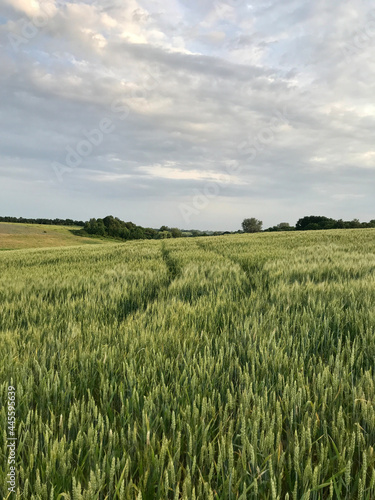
<point x="314" y="222"/>
<point x="124" y="233"/>
<point x="137" y="233"/>
<point x="283" y="226"/>
<point x="163" y="235"/>
<point x="94" y="226"/>
<point x="252" y="225"/>
<point x="355" y="224"/>
<point x="150" y="233"/>
<point x="176" y="233"/>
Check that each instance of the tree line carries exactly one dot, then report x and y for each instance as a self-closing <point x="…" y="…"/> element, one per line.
<point x="307" y="223"/>
<point x="113" y="227"/>
<point x="116" y="228"/>
<point x="50" y="222"/>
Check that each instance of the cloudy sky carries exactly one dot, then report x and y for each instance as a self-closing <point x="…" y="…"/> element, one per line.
<point x="189" y="113"/>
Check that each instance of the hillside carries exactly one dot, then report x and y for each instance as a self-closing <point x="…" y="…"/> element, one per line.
<point x="18" y="236"/>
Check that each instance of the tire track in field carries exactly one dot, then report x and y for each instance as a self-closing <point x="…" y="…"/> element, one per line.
<point x="173" y="266"/>
<point x="132" y="305"/>
<point x="254" y="271"/>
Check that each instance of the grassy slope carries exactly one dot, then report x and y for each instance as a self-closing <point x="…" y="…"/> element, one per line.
<point x="18" y="236"/>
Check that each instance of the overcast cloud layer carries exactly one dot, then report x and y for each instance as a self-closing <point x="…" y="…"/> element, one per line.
<point x="187" y="113"/>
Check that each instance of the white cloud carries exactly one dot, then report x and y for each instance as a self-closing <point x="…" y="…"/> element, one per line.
<point x="198" y="80"/>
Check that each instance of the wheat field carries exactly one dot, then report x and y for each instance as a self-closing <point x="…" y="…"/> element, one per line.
<point x="233" y="367"/>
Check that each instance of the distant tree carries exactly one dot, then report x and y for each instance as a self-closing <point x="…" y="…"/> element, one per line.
<point x="164" y="228"/>
<point x="163" y="235"/>
<point x="116" y="228"/>
<point x="283" y="226"/>
<point x="340" y="224"/>
<point x="313" y="226"/>
<point x="91" y="226"/>
<point x="252" y="225"/>
<point x="124" y="233"/>
<point x="137" y="233"/>
<point x="315" y="222"/>
<point x="100" y="228"/>
<point x="57" y="222"/>
<point x="113" y="226"/>
<point x="176" y="233"/>
<point x="354" y="224"/>
<point x="130" y="225"/>
<point x="150" y="233"/>
<point x="108" y="221"/>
